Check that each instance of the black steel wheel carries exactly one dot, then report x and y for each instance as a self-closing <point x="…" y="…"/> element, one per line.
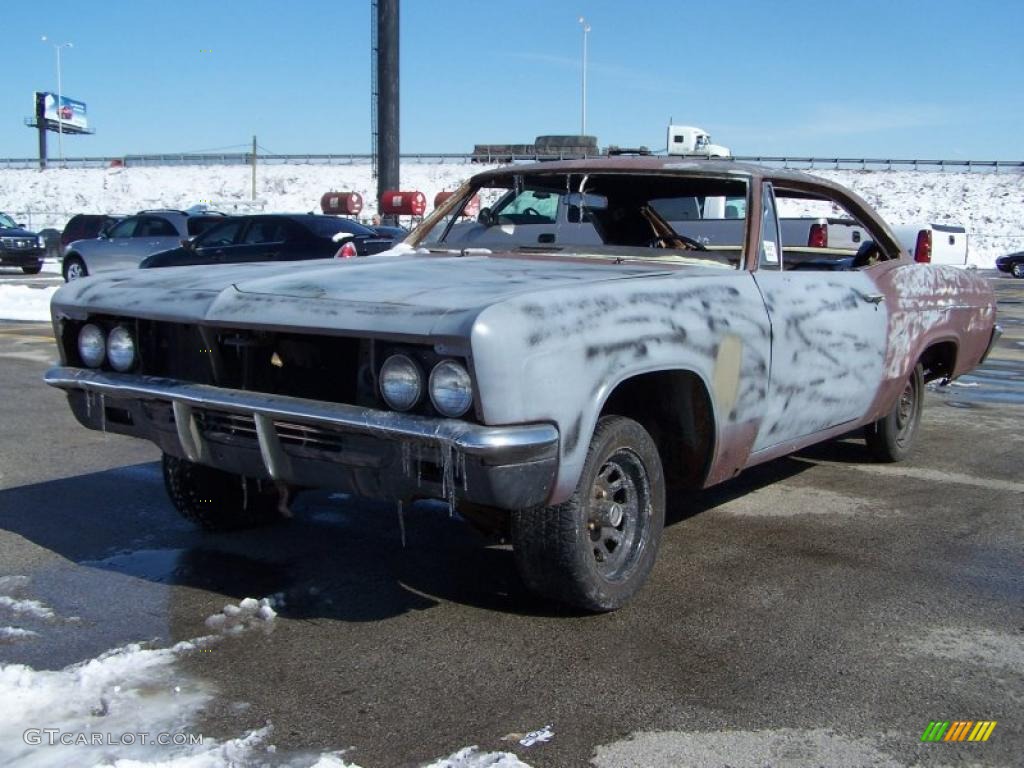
<point x="596" y="550"/>
<point x="216" y="500"/>
<point x="891" y="438"/>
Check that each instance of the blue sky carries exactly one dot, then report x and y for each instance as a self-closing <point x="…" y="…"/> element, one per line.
<point x="935" y="79"/>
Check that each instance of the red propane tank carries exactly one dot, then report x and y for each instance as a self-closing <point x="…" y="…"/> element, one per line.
<point x="403" y="204"/>
<point x="341" y="203"/>
<point x="471" y="209"/>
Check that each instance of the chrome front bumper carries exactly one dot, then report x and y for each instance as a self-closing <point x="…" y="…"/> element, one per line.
<point x="508" y="466"/>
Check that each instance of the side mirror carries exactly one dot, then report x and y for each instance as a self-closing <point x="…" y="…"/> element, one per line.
<point x="485" y="217"/>
<point x="186" y="243"/>
<point x="21" y="224"/>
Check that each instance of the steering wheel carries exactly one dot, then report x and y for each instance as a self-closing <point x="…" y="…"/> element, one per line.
<point x="867" y="254"/>
<point x="689" y="242"/>
<point x="531" y="211"/>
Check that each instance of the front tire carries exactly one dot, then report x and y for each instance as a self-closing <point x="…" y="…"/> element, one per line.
<point x="35" y="270"/>
<point x="216" y="500"/>
<point x="596" y="550"/>
<point x="74" y="269"/>
<point x="891" y="438"/>
<point x="1017" y="270"/>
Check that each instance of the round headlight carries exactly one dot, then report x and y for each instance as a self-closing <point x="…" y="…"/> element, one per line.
<point x="92" y="347"/>
<point x="121" y="349"/>
<point x="401" y="382"/>
<point x="451" y="391"/>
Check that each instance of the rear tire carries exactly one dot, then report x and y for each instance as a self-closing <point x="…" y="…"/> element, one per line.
<point x="1017" y="270"/>
<point x="32" y="270"/>
<point x="891" y="438"/>
<point x="596" y="550"/>
<point x="74" y="269"/>
<point x="216" y="500"/>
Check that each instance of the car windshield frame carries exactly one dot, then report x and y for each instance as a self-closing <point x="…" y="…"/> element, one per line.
<point x="618" y="187"/>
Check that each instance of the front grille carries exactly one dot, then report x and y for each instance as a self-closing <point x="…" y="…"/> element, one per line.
<point x="240" y="428"/>
<point x="18" y="243"/>
<point x="324" y="368"/>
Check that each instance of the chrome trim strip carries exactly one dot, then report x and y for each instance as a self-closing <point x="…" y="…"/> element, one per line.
<point x="526" y="442"/>
<point x="997" y="331"/>
<point x="191" y="439"/>
<point x="274" y="457"/>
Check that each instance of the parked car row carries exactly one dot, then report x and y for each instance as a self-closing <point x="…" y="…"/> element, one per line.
<point x="164" y="237"/>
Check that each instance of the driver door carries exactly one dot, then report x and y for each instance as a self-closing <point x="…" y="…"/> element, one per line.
<point x="828" y="341"/>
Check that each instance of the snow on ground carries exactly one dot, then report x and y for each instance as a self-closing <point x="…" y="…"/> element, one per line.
<point x="989" y="205"/>
<point x="110" y="711"/>
<point x="20" y="302"/>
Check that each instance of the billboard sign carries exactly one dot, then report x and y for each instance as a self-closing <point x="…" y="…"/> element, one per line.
<point x="71" y="113"/>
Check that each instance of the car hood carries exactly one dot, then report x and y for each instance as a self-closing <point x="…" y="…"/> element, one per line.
<point x="16" y="232"/>
<point x="399" y="292"/>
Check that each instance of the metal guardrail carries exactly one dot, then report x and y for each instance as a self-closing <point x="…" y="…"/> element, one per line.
<point x="244" y="158"/>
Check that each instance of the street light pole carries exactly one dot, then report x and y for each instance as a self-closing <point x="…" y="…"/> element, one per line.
<point x="586" y="31"/>
<point x="60" y="119"/>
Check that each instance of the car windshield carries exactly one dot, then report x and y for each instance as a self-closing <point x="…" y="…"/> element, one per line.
<point x="649" y="216"/>
<point x="328" y="226"/>
<point x="6" y="221"/>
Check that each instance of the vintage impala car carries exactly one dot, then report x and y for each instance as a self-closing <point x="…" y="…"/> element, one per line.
<point x="559" y="391"/>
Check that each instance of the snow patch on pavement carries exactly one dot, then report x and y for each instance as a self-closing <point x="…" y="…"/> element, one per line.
<point x="20" y="302"/>
<point x="471" y="757"/>
<point x="97" y="711"/>
<point x="31" y="608"/>
<point x="743" y="749"/>
<point x="9" y="634"/>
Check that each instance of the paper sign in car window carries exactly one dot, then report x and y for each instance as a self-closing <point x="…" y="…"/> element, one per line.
<point x="771" y="255"/>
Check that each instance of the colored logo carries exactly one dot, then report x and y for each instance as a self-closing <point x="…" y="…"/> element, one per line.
<point x="958" y="730"/>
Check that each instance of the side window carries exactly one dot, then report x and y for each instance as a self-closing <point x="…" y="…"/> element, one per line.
<point x="529" y="207"/>
<point x="124" y="228"/>
<point x="265" y="231"/>
<point x="221" y="234"/>
<point x="769" y="250"/>
<point x="820" y="234"/>
<point x="154" y="226"/>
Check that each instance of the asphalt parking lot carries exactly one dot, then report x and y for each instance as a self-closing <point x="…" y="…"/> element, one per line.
<point x="818" y="610"/>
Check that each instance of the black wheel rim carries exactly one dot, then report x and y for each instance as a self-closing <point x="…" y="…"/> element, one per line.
<point x="618" y="515"/>
<point x="906" y="412"/>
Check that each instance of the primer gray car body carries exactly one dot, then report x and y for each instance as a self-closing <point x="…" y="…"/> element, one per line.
<point x="782" y="358"/>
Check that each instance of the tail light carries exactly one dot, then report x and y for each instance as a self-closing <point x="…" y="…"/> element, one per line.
<point x="818" y="236"/>
<point x="923" y="247"/>
<point x="347" y="251"/>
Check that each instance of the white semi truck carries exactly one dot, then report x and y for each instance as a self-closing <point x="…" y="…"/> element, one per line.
<point x="689" y="141"/>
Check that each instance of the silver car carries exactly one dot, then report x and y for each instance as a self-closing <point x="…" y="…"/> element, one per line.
<point x="130" y="240"/>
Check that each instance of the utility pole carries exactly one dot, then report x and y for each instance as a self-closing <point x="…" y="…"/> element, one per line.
<point x="41" y="125"/>
<point x="387" y="99"/>
<point x="60" y="89"/>
<point x="254" y="167"/>
<point x="586" y="31"/>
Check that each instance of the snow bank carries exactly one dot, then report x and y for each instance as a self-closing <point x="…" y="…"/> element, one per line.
<point x="989" y="205"/>
<point x="20" y="302"/>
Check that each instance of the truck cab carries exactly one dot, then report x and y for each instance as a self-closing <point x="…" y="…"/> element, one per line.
<point x="690" y="141"/>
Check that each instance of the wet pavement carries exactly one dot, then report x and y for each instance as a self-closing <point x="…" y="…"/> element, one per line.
<point x="817" y="610"/>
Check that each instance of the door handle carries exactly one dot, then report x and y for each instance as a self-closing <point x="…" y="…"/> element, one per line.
<point x="873" y="298"/>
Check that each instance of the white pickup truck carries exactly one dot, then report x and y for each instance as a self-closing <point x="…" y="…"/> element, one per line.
<point x="934" y="243"/>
